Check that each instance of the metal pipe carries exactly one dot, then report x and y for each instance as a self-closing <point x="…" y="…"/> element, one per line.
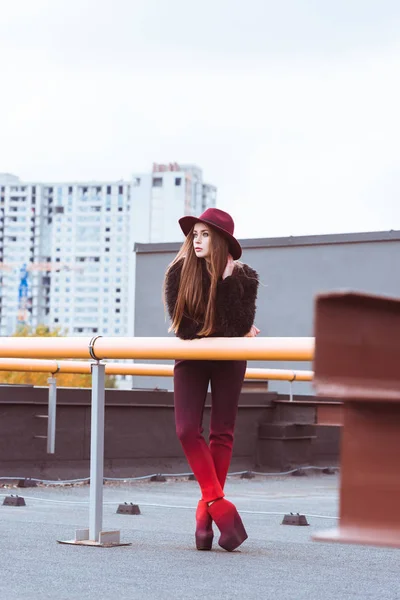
<point x="207" y="348"/>
<point x="279" y="374"/>
<point x="76" y="366"/>
<point x="288" y="349"/>
<point x="44" y="347"/>
<point x="28" y="365"/>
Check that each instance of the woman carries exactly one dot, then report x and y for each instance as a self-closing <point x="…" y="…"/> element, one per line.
<point x="208" y="294"/>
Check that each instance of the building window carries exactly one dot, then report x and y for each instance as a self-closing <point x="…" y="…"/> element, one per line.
<point x="157" y="181"/>
<point x="178" y="181"/>
<point x="120" y="189"/>
<point x="109" y="189"/>
<point x="136" y="181"/>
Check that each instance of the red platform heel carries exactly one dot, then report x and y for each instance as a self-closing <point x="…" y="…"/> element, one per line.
<point x="229" y="523"/>
<point x="204" y="532"/>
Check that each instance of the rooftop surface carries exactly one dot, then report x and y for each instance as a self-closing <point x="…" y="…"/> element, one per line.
<point x="277" y="561"/>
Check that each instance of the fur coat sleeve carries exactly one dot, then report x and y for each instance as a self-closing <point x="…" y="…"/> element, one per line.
<point x="235" y="303"/>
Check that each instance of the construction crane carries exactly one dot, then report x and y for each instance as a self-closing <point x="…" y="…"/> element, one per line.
<point x="24" y="299"/>
<point x="23" y="289"/>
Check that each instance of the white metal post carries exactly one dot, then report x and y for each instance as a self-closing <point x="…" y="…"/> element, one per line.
<point x="96" y="452"/>
<point x="51" y="421"/>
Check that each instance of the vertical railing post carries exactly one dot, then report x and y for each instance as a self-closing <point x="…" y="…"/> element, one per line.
<point x="96" y="452"/>
<point x="51" y="421"/>
<point x="291" y="387"/>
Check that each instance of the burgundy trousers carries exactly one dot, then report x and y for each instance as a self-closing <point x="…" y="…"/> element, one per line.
<point x="209" y="462"/>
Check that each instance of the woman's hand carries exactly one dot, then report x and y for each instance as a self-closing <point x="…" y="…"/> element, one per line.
<point x="230" y="265"/>
<point x="253" y="332"/>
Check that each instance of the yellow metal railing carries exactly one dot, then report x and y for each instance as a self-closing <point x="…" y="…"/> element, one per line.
<point x="84" y="367"/>
<point x="287" y="349"/>
<point x="98" y="348"/>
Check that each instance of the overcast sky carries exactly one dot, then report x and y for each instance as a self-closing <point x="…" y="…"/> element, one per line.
<point x="291" y="107"/>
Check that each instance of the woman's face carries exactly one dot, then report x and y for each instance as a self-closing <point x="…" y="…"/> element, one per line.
<point x="201" y="240"/>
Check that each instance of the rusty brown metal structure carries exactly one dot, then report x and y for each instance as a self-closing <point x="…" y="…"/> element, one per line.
<point x="357" y="358"/>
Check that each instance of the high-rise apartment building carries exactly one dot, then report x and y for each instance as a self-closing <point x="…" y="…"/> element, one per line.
<point x="163" y="196"/>
<point x="66" y="249"/>
<point x="64" y="254"/>
<point x="89" y="239"/>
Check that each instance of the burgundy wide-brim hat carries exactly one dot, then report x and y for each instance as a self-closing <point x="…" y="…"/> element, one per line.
<point x="221" y="221"/>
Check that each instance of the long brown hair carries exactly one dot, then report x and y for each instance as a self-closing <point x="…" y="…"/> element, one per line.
<point x="190" y="296"/>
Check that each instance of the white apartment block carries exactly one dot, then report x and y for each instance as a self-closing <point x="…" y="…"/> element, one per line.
<point x="163" y="196"/>
<point x="89" y="239"/>
<point x="66" y="249"/>
<point x="73" y="239"/>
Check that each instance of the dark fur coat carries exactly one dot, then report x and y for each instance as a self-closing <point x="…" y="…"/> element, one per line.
<point x="236" y="302"/>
